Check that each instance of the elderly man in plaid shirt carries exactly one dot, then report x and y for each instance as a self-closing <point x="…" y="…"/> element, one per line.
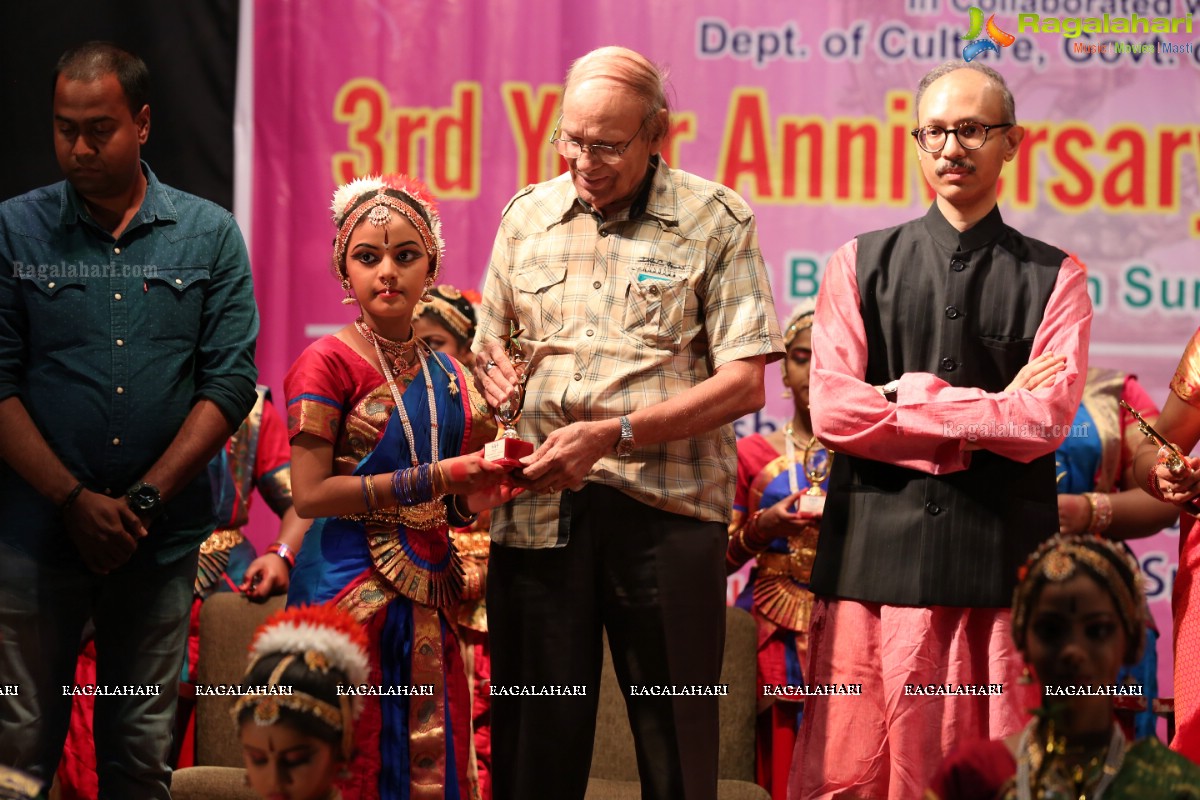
<point x="646" y="320"/>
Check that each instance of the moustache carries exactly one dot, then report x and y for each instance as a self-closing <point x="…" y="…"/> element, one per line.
<point x="955" y="163"/>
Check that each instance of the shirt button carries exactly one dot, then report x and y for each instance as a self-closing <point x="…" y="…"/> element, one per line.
<point x="578" y="376"/>
<point x="952" y="312"/>
<point x="117" y="250"/>
<point x="604" y="233"/>
<point x="120" y="390"/>
<point x="949" y="364"/>
<point x="116" y="441"/>
<point x="933" y="508"/>
<point x="120" y="342"/>
<point x="50" y="285"/>
<point x="591" y="332"/>
<point x="596" y="284"/>
<point x="654" y="290"/>
<point x="957" y="266"/>
<point x="179" y="281"/>
<point x="117" y="296"/>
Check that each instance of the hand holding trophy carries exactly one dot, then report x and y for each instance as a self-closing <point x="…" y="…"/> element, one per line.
<point x="1171" y="457"/>
<point x="510" y="447"/>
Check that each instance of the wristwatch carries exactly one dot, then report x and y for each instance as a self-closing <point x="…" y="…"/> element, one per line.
<point x="145" y="500"/>
<point x="625" y="444"/>
<point x="890" y="389"/>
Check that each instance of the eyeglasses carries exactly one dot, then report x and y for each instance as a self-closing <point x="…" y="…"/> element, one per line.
<point x="970" y="135"/>
<point x="604" y="153"/>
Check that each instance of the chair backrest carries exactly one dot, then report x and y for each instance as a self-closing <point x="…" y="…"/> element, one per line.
<point x="613" y="755"/>
<point x="227" y="623"/>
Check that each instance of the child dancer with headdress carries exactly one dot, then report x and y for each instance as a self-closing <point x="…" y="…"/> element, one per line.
<point x="766" y="527"/>
<point x="384" y="437"/>
<point x="296" y="720"/>
<point x="1077" y="616"/>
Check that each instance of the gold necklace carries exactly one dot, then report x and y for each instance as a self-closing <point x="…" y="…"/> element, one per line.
<point x="790" y="431"/>
<point x="1042" y="768"/>
<point x="400" y="354"/>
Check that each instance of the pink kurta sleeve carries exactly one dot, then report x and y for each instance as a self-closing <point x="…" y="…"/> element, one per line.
<point x="931" y="423"/>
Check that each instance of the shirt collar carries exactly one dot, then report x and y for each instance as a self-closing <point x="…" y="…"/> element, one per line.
<point x="156" y="205"/>
<point x="981" y="234"/>
<point x="656" y="197"/>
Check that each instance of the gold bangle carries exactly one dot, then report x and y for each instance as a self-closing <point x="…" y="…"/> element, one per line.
<point x="438" y="479"/>
<point x="1102" y="512"/>
<point x="1087" y="526"/>
<point x="372" y="504"/>
<point x="465" y="516"/>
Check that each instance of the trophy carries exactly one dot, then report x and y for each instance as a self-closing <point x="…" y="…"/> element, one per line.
<point x="817" y="461"/>
<point x="1174" y="461"/>
<point x="510" y="447"/>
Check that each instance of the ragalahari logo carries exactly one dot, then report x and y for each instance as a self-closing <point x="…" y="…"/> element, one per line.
<point x="996" y="37"/>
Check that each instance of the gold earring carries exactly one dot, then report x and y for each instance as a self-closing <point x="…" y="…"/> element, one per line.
<point x="1026" y="678"/>
<point x="349" y="298"/>
<point x="786" y="394"/>
<point x="427" y="297"/>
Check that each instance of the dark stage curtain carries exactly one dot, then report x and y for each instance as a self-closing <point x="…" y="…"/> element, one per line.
<point x="191" y="51"/>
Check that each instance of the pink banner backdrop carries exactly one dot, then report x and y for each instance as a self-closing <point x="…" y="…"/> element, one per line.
<point x="802" y="108"/>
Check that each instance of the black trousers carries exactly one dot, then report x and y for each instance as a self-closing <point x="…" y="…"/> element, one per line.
<point x="656" y="582"/>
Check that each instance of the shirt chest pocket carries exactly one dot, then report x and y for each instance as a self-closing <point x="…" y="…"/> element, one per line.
<point x="58" y="309"/>
<point x="655" y="312"/>
<point x="175" y="301"/>
<point x="539" y="300"/>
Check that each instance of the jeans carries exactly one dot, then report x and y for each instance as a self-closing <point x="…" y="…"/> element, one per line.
<point x="140" y="613"/>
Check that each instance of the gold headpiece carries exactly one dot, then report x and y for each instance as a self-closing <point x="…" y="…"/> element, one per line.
<point x="319" y="640"/>
<point x="1059" y="558"/>
<point x="800" y="320"/>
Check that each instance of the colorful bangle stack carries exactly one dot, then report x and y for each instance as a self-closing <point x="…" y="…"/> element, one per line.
<point x="283" y="551"/>
<point x="1101" y="512"/>
<point x="414" y="485"/>
<point x="739" y="552"/>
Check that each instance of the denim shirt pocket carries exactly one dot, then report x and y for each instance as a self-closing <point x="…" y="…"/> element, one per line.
<point x="539" y="300"/>
<point x="175" y="297"/>
<point x="60" y="302"/>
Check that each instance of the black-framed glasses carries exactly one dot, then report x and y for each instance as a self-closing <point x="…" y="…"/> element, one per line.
<point x="604" y="153"/>
<point x="970" y="135"/>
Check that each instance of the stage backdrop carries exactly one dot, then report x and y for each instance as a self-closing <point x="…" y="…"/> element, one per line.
<point x="804" y="109"/>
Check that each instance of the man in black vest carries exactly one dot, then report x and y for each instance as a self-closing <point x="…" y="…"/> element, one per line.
<point x="948" y="361"/>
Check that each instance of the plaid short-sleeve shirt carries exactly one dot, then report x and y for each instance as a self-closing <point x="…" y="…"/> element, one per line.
<point x="620" y="314"/>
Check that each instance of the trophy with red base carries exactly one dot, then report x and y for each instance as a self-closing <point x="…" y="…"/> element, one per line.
<point x="510" y="447"/>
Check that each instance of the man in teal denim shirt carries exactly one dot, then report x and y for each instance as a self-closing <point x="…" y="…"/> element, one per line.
<point x="127" y="331"/>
